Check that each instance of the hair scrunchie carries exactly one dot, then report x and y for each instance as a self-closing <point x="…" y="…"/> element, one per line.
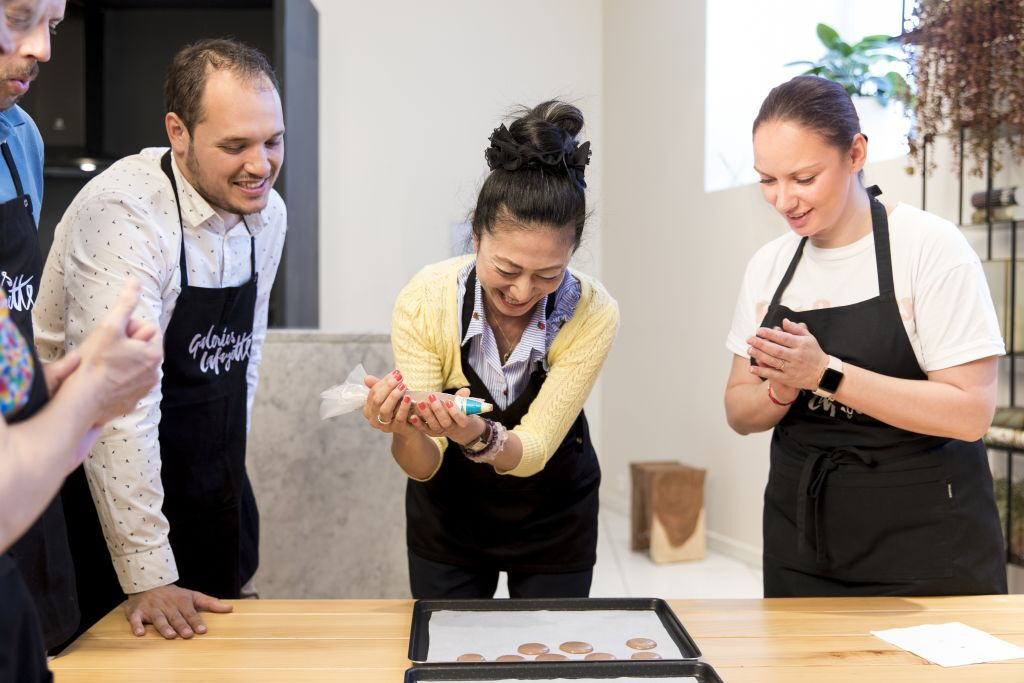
<point x="507" y="154"/>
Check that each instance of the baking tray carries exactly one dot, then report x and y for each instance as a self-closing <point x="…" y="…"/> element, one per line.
<point x="419" y="636"/>
<point x="532" y="671"/>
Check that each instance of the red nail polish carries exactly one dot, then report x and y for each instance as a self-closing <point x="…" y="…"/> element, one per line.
<point x="423" y="406"/>
<point x="449" y="404"/>
<point x="414" y="419"/>
<point x="432" y="398"/>
<point x="406" y="399"/>
<point x="401" y="386"/>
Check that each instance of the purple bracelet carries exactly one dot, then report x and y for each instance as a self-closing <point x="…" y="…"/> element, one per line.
<point x="489" y="453"/>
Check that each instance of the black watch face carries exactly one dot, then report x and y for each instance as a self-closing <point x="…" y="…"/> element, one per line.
<point x="830" y="380"/>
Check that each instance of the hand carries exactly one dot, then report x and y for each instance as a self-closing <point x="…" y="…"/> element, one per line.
<point x="173" y="611"/>
<point x="790" y="358"/>
<point x="388" y="406"/>
<point x="59" y="370"/>
<point x="121" y="357"/>
<point x="439" y="417"/>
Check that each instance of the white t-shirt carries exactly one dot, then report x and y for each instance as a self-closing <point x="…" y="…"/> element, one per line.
<point x="941" y="289"/>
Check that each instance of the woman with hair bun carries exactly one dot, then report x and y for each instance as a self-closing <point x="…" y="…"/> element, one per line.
<point x="865" y="337"/>
<point x="514" y="490"/>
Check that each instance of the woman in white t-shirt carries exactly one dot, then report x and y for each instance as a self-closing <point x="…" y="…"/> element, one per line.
<point x="866" y="338"/>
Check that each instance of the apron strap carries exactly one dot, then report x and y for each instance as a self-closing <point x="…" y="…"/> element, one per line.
<point x="165" y="165"/>
<point x="13" y="168"/>
<point x="883" y="252"/>
<point x="789" y="273"/>
<point x="252" y="250"/>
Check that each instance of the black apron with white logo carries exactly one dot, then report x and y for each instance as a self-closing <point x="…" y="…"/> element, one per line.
<point x="854" y="506"/>
<point x="470" y="516"/>
<point x="207" y="496"/>
<point x="208" y="502"/>
<point x="42" y="553"/>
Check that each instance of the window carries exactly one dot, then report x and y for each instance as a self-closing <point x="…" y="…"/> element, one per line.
<point x="747" y="44"/>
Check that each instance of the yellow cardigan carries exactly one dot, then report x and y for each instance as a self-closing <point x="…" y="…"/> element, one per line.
<point x="427" y="348"/>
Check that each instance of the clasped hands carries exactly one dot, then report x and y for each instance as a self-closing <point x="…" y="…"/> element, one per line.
<point x="789" y="357"/>
<point x="390" y="409"/>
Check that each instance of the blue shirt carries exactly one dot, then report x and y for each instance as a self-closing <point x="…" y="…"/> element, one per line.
<point x="507" y="382"/>
<point x="22" y="136"/>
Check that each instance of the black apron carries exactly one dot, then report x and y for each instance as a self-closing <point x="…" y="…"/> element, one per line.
<point x="469" y="516"/>
<point x="42" y="553"/>
<point x="854" y="506"/>
<point x="208" y="501"/>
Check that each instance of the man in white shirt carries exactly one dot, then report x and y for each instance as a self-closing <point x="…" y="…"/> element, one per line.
<point x="202" y="229"/>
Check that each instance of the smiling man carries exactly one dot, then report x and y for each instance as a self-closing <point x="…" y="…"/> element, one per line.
<point x="201" y="227"/>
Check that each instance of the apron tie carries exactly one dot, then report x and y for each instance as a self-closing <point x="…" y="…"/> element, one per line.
<point x="811" y="492"/>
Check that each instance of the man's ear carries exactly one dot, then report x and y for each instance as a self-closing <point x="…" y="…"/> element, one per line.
<point x="177" y="134"/>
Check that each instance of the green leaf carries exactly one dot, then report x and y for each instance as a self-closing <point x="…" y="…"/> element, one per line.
<point x="801" y="62"/>
<point x="828" y="36"/>
<point x="844" y="48"/>
<point x="876" y="41"/>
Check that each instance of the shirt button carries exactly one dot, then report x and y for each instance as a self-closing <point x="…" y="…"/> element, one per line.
<point x="540" y="325"/>
<point x="504" y="392"/>
<point x="476" y="316"/>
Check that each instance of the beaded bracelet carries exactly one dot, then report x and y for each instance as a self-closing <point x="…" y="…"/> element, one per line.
<point x="495" y="443"/>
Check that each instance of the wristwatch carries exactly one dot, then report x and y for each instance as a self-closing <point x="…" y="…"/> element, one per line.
<point x="481" y="442"/>
<point x="828" y="384"/>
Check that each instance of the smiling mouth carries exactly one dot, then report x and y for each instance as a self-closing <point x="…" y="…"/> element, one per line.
<point x="251" y="184"/>
<point x="510" y="302"/>
<point x="797" y="216"/>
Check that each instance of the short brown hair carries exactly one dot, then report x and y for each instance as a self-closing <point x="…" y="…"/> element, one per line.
<point x="186" y="77"/>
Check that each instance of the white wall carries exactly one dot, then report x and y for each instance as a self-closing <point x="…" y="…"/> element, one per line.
<point x="409" y="93"/>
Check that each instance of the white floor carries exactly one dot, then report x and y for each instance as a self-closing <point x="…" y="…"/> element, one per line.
<point x="620" y="572"/>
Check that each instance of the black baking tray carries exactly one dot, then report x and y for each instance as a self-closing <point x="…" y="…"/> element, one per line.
<point x="419" y="636"/>
<point x="526" y="671"/>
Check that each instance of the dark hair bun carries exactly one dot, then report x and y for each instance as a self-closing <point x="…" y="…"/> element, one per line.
<point x="548" y="128"/>
<point x="537" y="170"/>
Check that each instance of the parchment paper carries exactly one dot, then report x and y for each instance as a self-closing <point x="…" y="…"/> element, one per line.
<point x="492" y="634"/>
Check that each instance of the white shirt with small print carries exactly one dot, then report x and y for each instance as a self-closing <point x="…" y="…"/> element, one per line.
<point x="124" y="223"/>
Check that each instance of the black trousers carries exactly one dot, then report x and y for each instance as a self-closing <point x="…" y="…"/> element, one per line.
<point x="435" y="580"/>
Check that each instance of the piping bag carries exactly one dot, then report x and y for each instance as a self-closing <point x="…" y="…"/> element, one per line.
<point x="351" y="395"/>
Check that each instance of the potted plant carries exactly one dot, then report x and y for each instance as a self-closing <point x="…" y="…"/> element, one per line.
<point x="857" y="67"/>
<point x="967" y="64"/>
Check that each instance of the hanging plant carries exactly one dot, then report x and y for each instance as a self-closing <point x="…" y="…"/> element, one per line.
<point x="967" y="65"/>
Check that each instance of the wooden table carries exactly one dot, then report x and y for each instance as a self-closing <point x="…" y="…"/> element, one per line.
<point x="792" y="640"/>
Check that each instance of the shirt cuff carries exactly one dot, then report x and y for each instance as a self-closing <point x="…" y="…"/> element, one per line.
<point x="147" y="569"/>
<point x="533" y="459"/>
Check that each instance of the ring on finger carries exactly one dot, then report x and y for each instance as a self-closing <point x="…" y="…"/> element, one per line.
<point x="383" y="422"/>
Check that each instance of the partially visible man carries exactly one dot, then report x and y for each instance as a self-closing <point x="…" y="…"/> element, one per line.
<point x="201" y="227"/>
<point x="42" y="553"/>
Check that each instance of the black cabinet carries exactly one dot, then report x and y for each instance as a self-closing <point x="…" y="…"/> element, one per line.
<point x="101" y="97"/>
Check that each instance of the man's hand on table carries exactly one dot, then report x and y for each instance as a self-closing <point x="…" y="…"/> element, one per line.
<point x="173" y="611"/>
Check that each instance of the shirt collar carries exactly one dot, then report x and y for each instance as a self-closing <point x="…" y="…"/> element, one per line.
<point x="11" y="118"/>
<point x="197" y="213"/>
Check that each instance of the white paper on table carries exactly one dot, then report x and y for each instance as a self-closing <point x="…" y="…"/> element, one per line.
<point x="952" y="644"/>
<point x="495" y="633"/>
